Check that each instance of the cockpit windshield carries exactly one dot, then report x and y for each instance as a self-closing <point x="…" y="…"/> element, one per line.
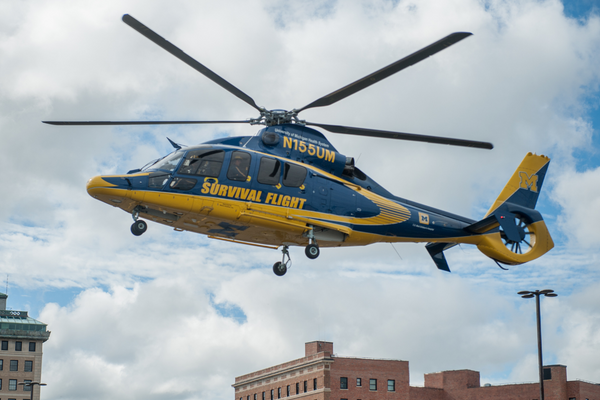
<point x="168" y="163"/>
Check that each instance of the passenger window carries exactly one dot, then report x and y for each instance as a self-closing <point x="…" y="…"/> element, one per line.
<point x="203" y="162"/>
<point x="239" y="166"/>
<point x="183" y="183"/>
<point x="293" y="175"/>
<point x="157" y="180"/>
<point x="269" y="171"/>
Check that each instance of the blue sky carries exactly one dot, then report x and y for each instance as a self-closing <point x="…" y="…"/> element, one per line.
<point x="582" y="10"/>
<point x="203" y="311"/>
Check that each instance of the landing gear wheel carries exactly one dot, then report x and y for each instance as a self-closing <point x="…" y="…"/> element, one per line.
<point x="312" y="251"/>
<point x="279" y="268"/>
<point x="139" y="227"/>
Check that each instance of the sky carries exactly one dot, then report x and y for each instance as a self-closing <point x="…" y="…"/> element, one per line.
<point x="177" y="315"/>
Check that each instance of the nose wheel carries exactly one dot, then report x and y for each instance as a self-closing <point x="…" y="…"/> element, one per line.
<point x="281" y="267"/>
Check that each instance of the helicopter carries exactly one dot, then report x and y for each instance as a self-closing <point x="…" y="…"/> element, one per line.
<point x="289" y="186"/>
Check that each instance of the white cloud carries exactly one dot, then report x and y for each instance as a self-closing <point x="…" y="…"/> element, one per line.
<point x="164" y="338"/>
<point x="578" y="193"/>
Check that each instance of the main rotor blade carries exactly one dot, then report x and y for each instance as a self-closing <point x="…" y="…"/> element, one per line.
<point x="387" y="71"/>
<point x="141" y="122"/>
<point x="403" y="136"/>
<point x="177" y="52"/>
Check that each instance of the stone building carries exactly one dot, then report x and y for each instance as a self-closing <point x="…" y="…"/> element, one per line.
<point x="21" y="341"/>
<point x="320" y="375"/>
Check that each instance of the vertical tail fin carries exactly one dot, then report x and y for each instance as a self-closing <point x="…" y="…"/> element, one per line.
<point x="525" y="185"/>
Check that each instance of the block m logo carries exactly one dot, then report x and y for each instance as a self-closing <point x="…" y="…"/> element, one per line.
<point x="528" y="182"/>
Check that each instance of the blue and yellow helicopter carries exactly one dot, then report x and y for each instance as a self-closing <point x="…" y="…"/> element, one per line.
<point x="289" y="186"/>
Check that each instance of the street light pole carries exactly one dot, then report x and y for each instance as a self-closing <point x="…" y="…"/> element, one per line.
<point x="528" y="295"/>
<point x="32" y="385"/>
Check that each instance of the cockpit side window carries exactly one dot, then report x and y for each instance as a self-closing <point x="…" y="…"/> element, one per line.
<point x="156" y="180"/>
<point x="204" y="162"/>
<point x="239" y="166"/>
<point x="183" y="183"/>
<point x="269" y="171"/>
<point x="293" y="175"/>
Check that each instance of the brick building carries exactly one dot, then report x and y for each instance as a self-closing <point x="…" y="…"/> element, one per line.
<point x="21" y="340"/>
<point x="320" y="375"/>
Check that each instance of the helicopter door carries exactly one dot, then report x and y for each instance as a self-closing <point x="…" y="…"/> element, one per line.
<point x="320" y="193"/>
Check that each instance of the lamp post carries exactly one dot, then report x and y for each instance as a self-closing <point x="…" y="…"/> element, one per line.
<point x="32" y="385"/>
<point x="528" y="295"/>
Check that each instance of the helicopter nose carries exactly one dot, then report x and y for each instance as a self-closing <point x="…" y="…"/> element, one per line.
<point x="97" y="185"/>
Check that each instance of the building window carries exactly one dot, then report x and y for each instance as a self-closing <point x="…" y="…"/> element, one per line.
<point x="28" y="366"/>
<point x="315" y="384"/>
<point x="18" y="346"/>
<point x="254" y="396"/>
<point x="0" y="384"/>
<point x="5" y="345"/>
<point x="391" y="385"/>
<point x="358" y="382"/>
<point x="288" y="391"/>
<point x="248" y="397"/>
<point x="27" y="388"/>
<point x="272" y="394"/>
<point x="12" y="384"/>
<point x="278" y="392"/>
<point x="547" y="374"/>
<point x="263" y="395"/>
<point x="31" y="346"/>
<point x="1" y="365"/>
<point x="343" y="383"/>
<point x="372" y="384"/>
<point x="297" y="388"/>
<point x="305" y="386"/>
<point x="14" y="365"/>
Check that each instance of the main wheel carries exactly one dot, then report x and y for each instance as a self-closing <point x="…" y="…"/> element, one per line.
<point x="279" y="268"/>
<point x="312" y="251"/>
<point x="139" y="227"/>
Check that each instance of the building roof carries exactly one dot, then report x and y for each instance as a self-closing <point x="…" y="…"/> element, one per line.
<point x="20" y="325"/>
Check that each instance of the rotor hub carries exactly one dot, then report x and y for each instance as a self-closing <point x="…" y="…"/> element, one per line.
<point x="277" y="117"/>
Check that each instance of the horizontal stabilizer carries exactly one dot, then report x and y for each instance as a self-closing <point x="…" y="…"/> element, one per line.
<point x="505" y="216"/>
<point x="436" y="251"/>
